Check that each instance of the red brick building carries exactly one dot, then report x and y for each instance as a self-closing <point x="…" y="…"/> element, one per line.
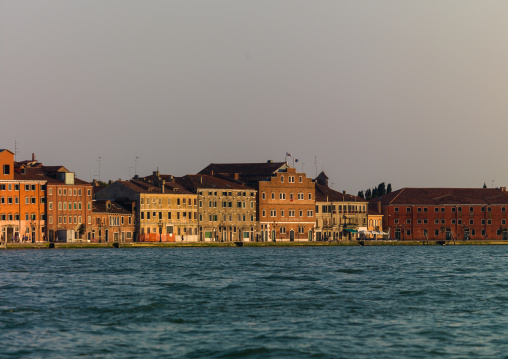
<point x="285" y="198"/>
<point x="445" y="213"/>
<point x="112" y="222"/>
<point x="67" y="203"/>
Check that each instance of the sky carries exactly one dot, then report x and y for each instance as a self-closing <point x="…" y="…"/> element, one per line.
<point x="412" y="93"/>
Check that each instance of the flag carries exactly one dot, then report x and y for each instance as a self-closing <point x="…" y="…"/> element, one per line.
<point x="288" y="154"/>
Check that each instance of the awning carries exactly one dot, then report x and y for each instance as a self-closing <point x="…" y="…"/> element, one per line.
<point x="351" y="230"/>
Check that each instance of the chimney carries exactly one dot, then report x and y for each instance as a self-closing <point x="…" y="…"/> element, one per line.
<point x="379" y="206"/>
<point x="163" y="184"/>
<point x="201" y="179"/>
<point x="237" y="176"/>
<point x="343" y="192"/>
<point x="212" y="173"/>
<point x="33" y="157"/>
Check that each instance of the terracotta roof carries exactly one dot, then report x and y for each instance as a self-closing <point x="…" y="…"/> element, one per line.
<point x="38" y="174"/>
<point x="100" y="206"/>
<point x="193" y="182"/>
<point x="4" y="149"/>
<point x="247" y="172"/>
<point x="146" y="187"/>
<point x="326" y="194"/>
<point x="444" y="196"/>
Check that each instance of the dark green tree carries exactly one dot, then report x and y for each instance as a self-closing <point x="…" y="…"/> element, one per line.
<point x="484" y="185"/>
<point x="389" y="188"/>
<point x="381" y="189"/>
<point x="360" y="194"/>
<point x="368" y="194"/>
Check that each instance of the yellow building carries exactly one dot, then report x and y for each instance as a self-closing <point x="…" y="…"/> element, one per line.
<point x="165" y="210"/>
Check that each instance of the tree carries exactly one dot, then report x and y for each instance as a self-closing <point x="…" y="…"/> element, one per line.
<point x="360" y="194"/>
<point x="381" y="189"/>
<point x="484" y="185"/>
<point x="389" y="188"/>
<point x="368" y="194"/>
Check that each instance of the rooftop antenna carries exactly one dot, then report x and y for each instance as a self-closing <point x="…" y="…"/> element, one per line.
<point x="16" y="152"/>
<point x="135" y="166"/>
<point x="99" y="167"/>
<point x="315" y="163"/>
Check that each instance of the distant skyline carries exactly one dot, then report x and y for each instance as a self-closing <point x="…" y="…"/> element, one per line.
<point x="408" y="93"/>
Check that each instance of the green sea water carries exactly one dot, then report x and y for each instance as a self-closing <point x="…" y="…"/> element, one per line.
<point x="309" y="302"/>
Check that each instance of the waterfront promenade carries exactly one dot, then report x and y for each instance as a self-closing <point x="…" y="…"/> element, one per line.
<point x="367" y="243"/>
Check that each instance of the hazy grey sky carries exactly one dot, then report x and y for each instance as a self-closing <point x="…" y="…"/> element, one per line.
<point x="408" y="92"/>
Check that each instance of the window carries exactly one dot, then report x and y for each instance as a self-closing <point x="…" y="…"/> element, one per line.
<point x="281" y="179"/>
<point x="7" y="169"/>
<point x="282" y="213"/>
<point x="264" y="195"/>
<point x="301" y="180"/>
<point x="396" y="209"/>
<point x="300" y="196"/>
<point x="471" y="209"/>
<point x="419" y="210"/>
<point x="503" y="221"/>
<point x="442" y="209"/>
<point x="471" y="221"/>
<point x="483" y="221"/>
<point x="291" y="213"/>
<point x="408" y="209"/>
<point x="489" y="209"/>
<point x="489" y="221"/>
<point x="33" y="200"/>
<point x="436" y="232"/>
<point x="309" y="213"/>
<point x="458" y="209"/>
<point x="273" y="213"/>
<point x="65" y="192"/>
<point x="408" y="232"/>
<point x="408" y="221"/>
<point x="425" y="209"/>
<point x="459" y="221"/>
<point x="9" y="200"/>
<point x="310" y="195"/>
<point x="419" y="221"/>
<point x="436" y="210"/>
<point x="264" y="213"/>
<point x="282" y="196"/>
<point x="50" y="206"/>
<point x="273" y="195"/>
<point x="396" y="221"/>
<point x="436" y="221"/>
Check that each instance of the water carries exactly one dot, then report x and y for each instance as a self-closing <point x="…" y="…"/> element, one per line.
<point x="340" y="302"/>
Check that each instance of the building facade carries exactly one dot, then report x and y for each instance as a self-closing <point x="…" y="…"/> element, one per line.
<point x="339" y="216"/>
<point x="165" y="210"/>
<point x="226" y="209"/>
<point x="445" y="213"/>
<point x="22" y="203"/>
<point x="286" y="206"/>
<point x="112" y="222"/>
